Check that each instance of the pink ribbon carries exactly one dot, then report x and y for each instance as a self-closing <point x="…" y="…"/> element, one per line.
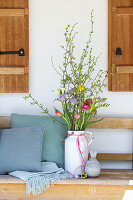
<point x="81" y="153"/>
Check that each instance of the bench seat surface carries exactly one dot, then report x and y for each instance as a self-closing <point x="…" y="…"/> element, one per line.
<point x="107" y="177"/>
<point x="110" y="185"/>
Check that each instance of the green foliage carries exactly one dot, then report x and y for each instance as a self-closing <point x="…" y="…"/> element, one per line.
<point x="80" y="85"/>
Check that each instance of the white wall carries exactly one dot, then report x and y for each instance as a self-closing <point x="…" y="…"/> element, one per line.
<point x="48" y="19"/>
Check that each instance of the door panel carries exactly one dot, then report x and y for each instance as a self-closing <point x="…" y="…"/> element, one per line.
<point x="12" y="38"/>
<point x="122" y="82"/>
<point x="124" y="3"/>
<point x="14" y="35"/>
<point x="13" y="3"/>
<point x="121" y="43"/>
<point x="125" y="38"/>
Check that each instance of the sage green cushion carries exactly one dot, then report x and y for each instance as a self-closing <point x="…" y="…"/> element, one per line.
<point x="21" y="149"/>
<point x="52" y="150"/>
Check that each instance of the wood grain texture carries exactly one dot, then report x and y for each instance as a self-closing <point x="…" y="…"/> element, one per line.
<point x="106" y="123"/>
<point x="114" y="157"/>
<point x="27" y="45"/>
<point x="5" y="122"/>
<point x="125" y="11"/>
<point x="67" y="192"/>
<point x="13" y="3"/>
<point x="14" y="35"/>
<point x="12" y="70"/>
<point x="14" y="83"/>
<point x="120" y="32"/>
<point x="113" y="37"/>
<point x="131" y="81"/>
<point x="124" y="39"/>
<point x="113" y="123"/>
<point x="124" y="69"/>
<point x="12" y="12"/>
<point x="109" y="47"/>
<point x="125" y="3"/>
<point x="111" y="184"/>
<point x="106" y="177"/>
<point x="114" y="3"/>
<point x="122" y="83"/>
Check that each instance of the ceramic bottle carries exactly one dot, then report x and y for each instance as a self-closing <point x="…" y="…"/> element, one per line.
<point x="92" y="168"/>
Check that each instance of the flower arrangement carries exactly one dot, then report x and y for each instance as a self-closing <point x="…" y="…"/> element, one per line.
<point x="79" y="85"/>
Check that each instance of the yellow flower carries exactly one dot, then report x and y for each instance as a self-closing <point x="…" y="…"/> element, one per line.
<point x="81" y="88"/>
<point x="91" y="108"/>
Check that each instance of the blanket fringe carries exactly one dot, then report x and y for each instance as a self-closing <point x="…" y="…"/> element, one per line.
<point x="39" y="182"/>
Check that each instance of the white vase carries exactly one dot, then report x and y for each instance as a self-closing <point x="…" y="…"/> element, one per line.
<point x="76" y="152"/>
<point x="92" y="168"/>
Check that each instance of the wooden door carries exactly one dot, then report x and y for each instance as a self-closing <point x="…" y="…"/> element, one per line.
<point x="14" y="39"/>
<point x="120" y="45"/>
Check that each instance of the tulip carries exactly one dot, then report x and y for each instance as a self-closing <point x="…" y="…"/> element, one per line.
<point x="89" y="101"/>
<point x="58" y="113"/>
<point x="85" y="107"/>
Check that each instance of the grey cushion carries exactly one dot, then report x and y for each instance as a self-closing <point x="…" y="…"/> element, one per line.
<point x="20" y="149"/>
<point x="52" y="150"/>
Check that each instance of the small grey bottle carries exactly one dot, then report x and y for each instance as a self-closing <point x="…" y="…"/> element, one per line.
<point x="92" y="168"/>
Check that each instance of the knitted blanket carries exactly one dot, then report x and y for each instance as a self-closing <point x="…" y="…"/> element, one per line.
<point x="38" y="182"/>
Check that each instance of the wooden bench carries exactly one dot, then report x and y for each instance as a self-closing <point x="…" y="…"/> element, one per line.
<point x="111" y="184"/>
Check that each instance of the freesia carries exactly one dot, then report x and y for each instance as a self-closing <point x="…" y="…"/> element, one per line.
<point x="81" y="88"/>
<point x="71" y="91"/>
<point x="73" y="101"/>
<point x="77" y="116"/>
<point x="62" y="97"/>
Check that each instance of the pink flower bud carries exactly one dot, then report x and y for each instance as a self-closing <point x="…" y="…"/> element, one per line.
<point x="77" y="116"/>
<point x="58" y="113"/>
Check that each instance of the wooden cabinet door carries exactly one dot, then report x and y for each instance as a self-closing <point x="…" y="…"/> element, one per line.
<point x="14" y="37"/>
<point x="120" y="45"/>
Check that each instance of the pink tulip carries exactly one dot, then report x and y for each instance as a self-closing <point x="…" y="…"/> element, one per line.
<point x="85" y="107"/>
<point x="89" y="101"/>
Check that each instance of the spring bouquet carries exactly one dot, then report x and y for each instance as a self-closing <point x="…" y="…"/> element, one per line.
<point x="80" y="85"/>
